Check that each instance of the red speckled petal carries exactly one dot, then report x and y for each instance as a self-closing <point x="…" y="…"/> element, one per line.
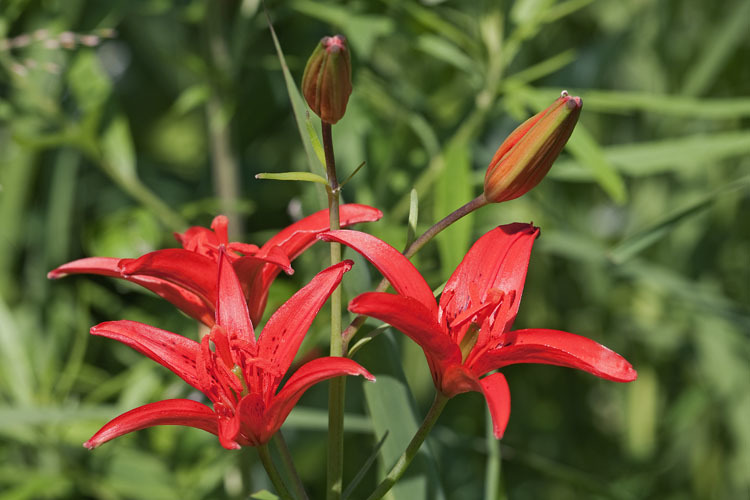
<point x="498" y="260"/>
<point x="231" y="308"/>
<point x="286" y="328"/>
<point x="169" y="349"/>
<point x="497" y="393"/>
<point x="168" y="412"/>
<point x="414" y="320"/>
<point x="396" y="268"/>
<point x="296" y="238"/>
<point x="554" y="347"/>
<point x="305" y="377"/>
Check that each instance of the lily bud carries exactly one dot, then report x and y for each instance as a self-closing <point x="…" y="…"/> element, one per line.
<point x="525" y="157"/>
<point x="327" y="81"/>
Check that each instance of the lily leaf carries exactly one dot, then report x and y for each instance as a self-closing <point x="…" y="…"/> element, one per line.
<point x="293" y="176"/>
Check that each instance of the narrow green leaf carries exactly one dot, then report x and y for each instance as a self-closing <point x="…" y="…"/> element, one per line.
<point x="717" y="48"/>
<point x="562" y="9"/>
<point x="541" y="70"/>
<point x="351" y="176"/>
<point x="13" y="416"/>
<point x="650" y="158"/>
<point x="443" y="50"/>
<point x="293" y="176"/>
<point x="315" y="140"/>
<point x="365" y="467"/>
<point x="263" y="495"/>
<point x="430" y="19"/>
<point x="299" y="107"/>
<point x="411" y="226"/>
<point x="636" y="243"/>
<point x="361" y="30"/>
<point x="583" y="146"/>
<point x="615" y="101"/>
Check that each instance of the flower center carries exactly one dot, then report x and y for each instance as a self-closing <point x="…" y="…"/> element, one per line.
<point x="468" y="341"/>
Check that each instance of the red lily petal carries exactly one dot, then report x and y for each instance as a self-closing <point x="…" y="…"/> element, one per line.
<point x="497" y="393"/>
<point x="229" y="429"/>
<point x="499" y="259"/>
<point x="243" y="248"/>
<point x="255" y="282"/>
<point x="251" y="411"/>
<point x="414" y="320"/>
<point x="296" y="238"/>
<point x="188" y="302"/>
<point x="198" y="239"/>
<point x="396" y="268"/>
<point x="105" y="266"/>
<point x="191" y="304"/>
<point x="300" y="236"/>
<point x="168" y="412"/>
<point x="251" y="274"/>
<point x="554" y="347"/>
<point x="220" y="225"/>
<point x="231" y="308"/>
<point x="275" y="255"/>
<point x="169" y="349"/>
<point x="306" y="376"/>
<point x="189" y="270"/>
<point x="286" y="328"/>
<point x="457" y="379"/>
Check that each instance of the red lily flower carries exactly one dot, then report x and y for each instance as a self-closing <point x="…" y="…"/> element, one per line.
<point x="186" y="276"/>
<point x="467" y="334"/>
<point x="240" y="375"/>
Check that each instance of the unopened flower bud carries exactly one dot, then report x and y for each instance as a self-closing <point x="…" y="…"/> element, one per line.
<point x="525" y="157"/>
<point x="327" y="81"/>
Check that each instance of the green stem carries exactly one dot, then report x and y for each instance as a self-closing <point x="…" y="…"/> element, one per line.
<point x="411" y="450"/>
<point x="417" y="245"/>
<point x="225" y="167"/>
<point x="337" y="386"/>
<point x="273" y="473"/>
<point x="289" y="468"/>
<point x="412" y="249"/>
<point x="493" y="484"/>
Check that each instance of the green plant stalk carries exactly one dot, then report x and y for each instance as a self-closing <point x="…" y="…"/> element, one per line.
<point x="273" y="473"/>
<point x="289" y="468"/>
<point x="412" y="249"/>
<point x="335" y="467"/>
<point x="408" y="455"/>
<point x="493" y="484"/>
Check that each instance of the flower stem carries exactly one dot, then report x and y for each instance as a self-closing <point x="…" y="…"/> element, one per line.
<point x="337" y="385"/>
<point x="273" y="473"/>
<point x="449" y="219"/>
<point x="289" y="468"/>
<point x="412" y="249"/>
<point x="408" y="455"/>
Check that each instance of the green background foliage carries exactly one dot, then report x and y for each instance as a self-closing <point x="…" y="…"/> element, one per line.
<point x="109" y="145"/>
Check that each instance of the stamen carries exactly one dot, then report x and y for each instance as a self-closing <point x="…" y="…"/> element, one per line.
<point x="238" y="373"/>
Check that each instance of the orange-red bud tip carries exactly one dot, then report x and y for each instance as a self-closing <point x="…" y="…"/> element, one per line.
<point x="525" y="157"/>
<point x="327" y="81"/>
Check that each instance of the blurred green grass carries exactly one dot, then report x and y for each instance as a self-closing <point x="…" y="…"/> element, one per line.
<point x="645" y="246"/>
